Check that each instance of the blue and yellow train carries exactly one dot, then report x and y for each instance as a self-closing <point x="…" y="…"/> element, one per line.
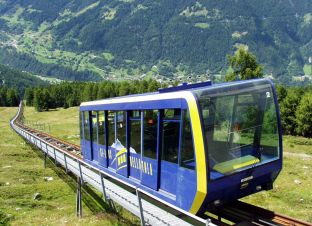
<point x="195" y="146"/>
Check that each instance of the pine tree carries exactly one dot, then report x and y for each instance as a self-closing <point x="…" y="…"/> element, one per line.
<point x="29" y="96"/>
<point x="288" y="111"/>
<point x="12" y="97"/>
<point x="38" y="97"/>
<point x="304" y="116"/>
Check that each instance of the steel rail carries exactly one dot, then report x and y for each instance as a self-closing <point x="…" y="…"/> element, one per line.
<point x="241" y="212"/>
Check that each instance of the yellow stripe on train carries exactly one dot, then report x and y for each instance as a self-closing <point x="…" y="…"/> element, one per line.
<point x="201" y="170"/>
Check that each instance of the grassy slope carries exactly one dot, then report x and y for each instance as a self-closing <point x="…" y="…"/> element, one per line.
<point x="22" y="175"/>
<point x="287" y="197"/>
<point x="62" y="123"/>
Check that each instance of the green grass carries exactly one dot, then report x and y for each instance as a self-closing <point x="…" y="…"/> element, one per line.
<point x="202" y="25"/>
<point x="287" y="196"/>
<point x="62" y="123"/>
<point x="292" y="194"/>
<point x="22" y="175"/>
<point x="307" y="69"/>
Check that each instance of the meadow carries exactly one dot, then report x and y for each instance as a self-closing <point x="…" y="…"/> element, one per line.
<point x="22" y="168"/>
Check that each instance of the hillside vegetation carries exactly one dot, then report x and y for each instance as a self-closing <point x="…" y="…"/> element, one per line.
<point x="95" y="39"/>
<point x="11" y="78"/>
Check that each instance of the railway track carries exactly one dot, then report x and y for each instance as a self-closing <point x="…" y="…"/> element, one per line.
<point x="247" y="214"/>
<point x="64" y="145"/>
<point x="236" y="213"/>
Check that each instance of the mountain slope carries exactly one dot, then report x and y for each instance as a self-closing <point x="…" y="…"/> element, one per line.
<point x="16" y="79"/>
<point x="90" y="39"/>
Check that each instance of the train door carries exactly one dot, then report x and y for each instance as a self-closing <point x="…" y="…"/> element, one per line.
<point x="135" y="135"/>
<point x="87" y="136"/>
<point x="121" y="144"/>
<point x="149" y="163"/>
<point x="94" y="138"/>
<point x="170" y="129"/>
<point x="111" y="126"/>
<point x="102" y="146"/>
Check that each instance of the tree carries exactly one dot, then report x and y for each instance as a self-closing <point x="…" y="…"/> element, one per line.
<point x="29" y="96"/>
<point x="153" y="85"/>
<point x="3" y="96"/>
<point x="304" y="116"/>
<point x="288" y="111"/>
<point x="38" y="100"/>
<point x="42" y="99"/>
<point x="12" y="97"/>
<point x="281" y="93"/>
<point x="124" y="88"/>
<point x="243" y="66"/>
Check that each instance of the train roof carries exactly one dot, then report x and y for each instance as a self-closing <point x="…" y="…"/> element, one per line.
<point x="177" y="89"/>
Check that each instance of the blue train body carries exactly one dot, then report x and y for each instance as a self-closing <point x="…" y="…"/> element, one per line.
<point x="194" y="146"/>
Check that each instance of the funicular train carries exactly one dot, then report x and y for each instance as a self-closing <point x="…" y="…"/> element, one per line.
<point x="195" y="146"/>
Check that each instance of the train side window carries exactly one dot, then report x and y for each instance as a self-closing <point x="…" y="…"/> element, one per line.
<point x="80" y="124"/>
<point x="121" y="127"/>
<point x="150" y="133"/>
<point x="187" y="158"/>
<point x="135" y="114"/>
<point x="135" y="132"/>
<point x="94" y="126"/>
<point x="111" y="128"/>
<point x="171" y="135"/>
<point x="101" y="128"/>
<point x="172" y="114"/>
<point x="86" y="125"/>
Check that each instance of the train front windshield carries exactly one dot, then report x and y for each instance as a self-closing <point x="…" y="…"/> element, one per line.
<point x="240" y="126"/>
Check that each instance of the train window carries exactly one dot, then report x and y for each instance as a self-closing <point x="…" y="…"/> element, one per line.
<point x="135" y="135"/>
<point x="187" y="159"/>
<point x="150" y="133"/>
<point x="269" y="135"/>
<point x="86" y="125"/>
<point x="171" y="135"/>
<point x="94" y="126"/>
<point x="81" y="125"/>
<point x="111" y="128"/>
<point x="101" y="128"/>
<point x="121" y="127"/>
<point x="240" y="126"/>
<point x="172" y="114"/>
<point x="135" y="114"/>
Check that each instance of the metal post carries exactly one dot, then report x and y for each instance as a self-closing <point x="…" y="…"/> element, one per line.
<point x="41" y="145"/>
<point x="79" y="198"/>
<point x="55" y="157"/>
<point x="65" y="162"/>
<point x="140" y="207"/>
<point x="80" y="171"/>
<point x="46" y="148"/>
<point x="103" y="187"/>
<point x="45" y="160"/>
